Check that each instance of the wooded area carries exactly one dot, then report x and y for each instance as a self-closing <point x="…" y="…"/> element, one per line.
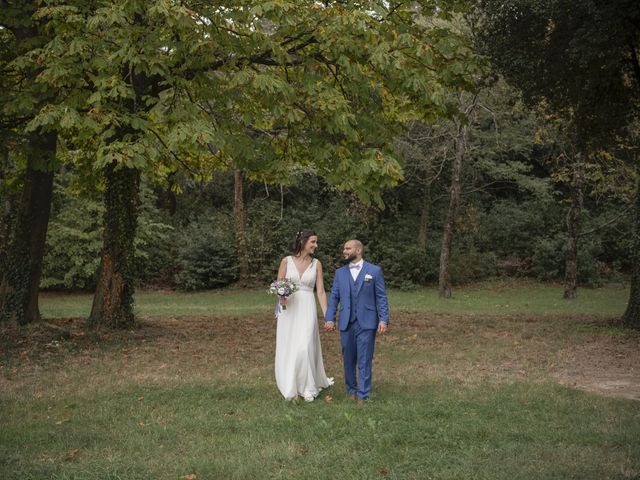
<point x="181" y="145"/>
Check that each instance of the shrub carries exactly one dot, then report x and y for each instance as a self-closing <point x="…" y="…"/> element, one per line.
<point x="155" y="244"/>
<point x="470" y="264"/>
<point x="206" y="254"/>
<point x="74" y="243"/>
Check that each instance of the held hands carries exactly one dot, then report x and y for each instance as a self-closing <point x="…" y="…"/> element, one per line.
<point x="329" y="326"/>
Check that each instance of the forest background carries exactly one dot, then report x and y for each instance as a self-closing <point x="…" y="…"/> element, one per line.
<point x="181" y="146"/>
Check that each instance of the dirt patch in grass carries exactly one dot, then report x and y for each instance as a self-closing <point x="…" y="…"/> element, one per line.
<point x="583" y="352"/>
<point x="604" y="364"/>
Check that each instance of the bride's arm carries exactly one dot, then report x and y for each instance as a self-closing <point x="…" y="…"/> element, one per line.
<point x="282" y="270"/>
<point x="322" y="294"/>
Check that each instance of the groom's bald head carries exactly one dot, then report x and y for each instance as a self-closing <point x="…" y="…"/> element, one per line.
<point x="353" y="250"/>
<point x="357" y="244"/>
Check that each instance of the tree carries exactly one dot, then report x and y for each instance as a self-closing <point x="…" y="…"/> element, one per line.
<point x="567" y="165"/>
<point x="269" y="85"/>
<point x="496" y="159"/>
<point x="580" y="59"/>
<point x="240" y="227"/>
<point x="22" y="95"/>
<point x="460" y="153"/>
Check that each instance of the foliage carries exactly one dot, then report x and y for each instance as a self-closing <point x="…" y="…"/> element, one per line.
<point x="74" y="242"/>
<point x="314" y="101"/>
<point x="207" y="257"/>
<point x="74" y="239"/>
<point x="28" y="159"/>
<point x="264" y="87"/>
<point x="580" y="59"/>
<point x="155" y="242"/>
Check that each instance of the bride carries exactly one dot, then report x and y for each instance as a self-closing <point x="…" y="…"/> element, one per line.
<point x="299" y="366"/>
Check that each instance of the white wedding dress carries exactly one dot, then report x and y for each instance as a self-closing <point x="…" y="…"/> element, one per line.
<point x="299" y="366"/>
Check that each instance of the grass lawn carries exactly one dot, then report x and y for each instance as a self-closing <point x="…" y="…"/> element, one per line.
<point x="490" y="297"/>
<point x="502" y="382"/>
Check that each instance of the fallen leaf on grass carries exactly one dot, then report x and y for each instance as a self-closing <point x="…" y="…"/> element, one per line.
<point x="191" y="476"/>
<point x="164" y="365"/>
<point x="73" y="454"/>
<point x="328" y="398"/>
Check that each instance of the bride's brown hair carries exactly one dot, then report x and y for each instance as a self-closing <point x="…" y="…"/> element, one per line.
<point x="302" y="237"/>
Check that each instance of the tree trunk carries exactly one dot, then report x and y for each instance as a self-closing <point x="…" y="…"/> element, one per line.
<point x="22" y="269"/>
<point x="631" y="317"/>
<point x="6" y="211"/>
<point x="240" y="231"/>
<point x="424" y="219"/>
<point x="444" y="281"/>
<point x="113" y="299"/>
<point x="573" y="231"/>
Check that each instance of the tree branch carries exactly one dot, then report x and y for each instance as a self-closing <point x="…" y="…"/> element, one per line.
<point x="174" y="154"/>
<point x="606" y="224"/>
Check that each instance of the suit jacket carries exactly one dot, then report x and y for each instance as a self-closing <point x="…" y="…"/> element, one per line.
<point x="371" y="306"/>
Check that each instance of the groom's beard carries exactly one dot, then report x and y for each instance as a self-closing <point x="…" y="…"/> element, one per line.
<point x="350" y="258"/>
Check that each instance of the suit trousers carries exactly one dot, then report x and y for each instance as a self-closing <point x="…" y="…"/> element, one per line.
<point x="357" y="351"/>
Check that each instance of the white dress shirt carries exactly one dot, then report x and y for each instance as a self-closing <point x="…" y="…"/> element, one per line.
<point x="355" y="268"/>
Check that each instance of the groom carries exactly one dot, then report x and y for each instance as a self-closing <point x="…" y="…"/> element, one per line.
<point x="359" y="289"/>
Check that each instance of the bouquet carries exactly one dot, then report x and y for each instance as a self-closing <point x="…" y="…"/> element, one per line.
<point x="282" y="288"/>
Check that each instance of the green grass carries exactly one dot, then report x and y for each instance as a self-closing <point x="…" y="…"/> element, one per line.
<point x="463" y="389"/>
<point x="236" y="431"/>
<point x="515" y="298"/>
<point x="496" y="297"/>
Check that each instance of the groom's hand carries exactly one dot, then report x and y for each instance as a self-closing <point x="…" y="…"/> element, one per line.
<point x="329" y="326"/>
<point x="382" y="327"/>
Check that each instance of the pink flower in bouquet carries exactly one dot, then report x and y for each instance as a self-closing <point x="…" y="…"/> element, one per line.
<point x="282" y="289"/>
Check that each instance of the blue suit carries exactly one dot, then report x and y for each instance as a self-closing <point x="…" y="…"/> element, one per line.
<point x="363" y="304"/>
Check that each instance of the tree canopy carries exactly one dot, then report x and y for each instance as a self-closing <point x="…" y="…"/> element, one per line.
<point x="268" y="86"/>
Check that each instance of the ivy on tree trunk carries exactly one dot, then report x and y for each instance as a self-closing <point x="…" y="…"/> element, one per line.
<point x="22" y="262"/>
<point x="113" y="299"/>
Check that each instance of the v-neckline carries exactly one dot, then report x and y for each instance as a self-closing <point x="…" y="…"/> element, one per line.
<point x="298" y="271"/>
